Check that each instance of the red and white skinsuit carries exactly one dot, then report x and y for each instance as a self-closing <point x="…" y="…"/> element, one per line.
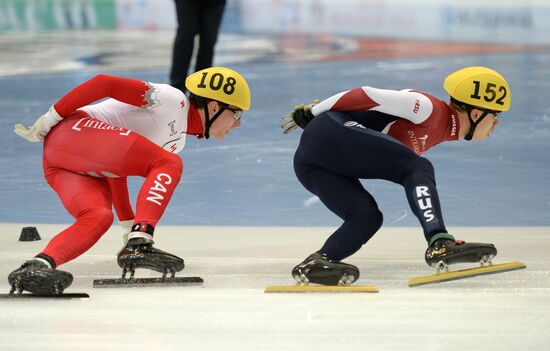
<point x="89" y="154"/>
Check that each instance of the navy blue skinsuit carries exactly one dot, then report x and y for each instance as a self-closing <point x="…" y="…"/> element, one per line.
<point x="336" y="150"/>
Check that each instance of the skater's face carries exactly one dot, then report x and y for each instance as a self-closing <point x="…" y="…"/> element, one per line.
<point x="486" y="127"/>
<point x="228" y="120"/>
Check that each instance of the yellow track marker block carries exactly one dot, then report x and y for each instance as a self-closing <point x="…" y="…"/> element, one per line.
<point x="464" y="273"/>
<point x="321" y="289"/>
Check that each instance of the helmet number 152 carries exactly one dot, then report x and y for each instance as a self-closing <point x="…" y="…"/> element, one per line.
<point x="490" y="92"/>
<point x="216" y="82"/>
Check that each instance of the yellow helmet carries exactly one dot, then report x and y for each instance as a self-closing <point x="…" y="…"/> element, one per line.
<point x="220" y="84"/>
<point x="480" y="87"/>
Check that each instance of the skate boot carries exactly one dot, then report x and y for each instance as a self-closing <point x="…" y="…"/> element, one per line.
<point x="36" y="277"/>
<point x="318" y="269"/>
<point x="140" y="253"/>
<point x="445" y="251"/>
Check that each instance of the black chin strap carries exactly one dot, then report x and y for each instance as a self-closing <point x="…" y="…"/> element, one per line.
<point x="208" y="122"/>
<point x="473" y="124"/>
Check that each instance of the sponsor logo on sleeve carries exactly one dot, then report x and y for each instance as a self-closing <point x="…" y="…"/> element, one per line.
<point x="416" y="106"/>
<point x="172" y="128"/>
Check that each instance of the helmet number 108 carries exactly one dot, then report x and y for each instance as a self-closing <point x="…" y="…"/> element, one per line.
<point x="490" y="92"/>
<point x="216" y="82"/>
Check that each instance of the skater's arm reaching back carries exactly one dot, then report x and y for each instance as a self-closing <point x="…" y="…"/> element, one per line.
<point x="408" y="104"/>
<point x="130" y="91"/>
<point x="412" y="105"/>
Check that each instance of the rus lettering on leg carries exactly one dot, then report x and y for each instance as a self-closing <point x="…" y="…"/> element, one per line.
<point x="425" y="202"/>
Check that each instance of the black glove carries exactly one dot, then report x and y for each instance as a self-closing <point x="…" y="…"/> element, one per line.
<point x="300" y="117"/>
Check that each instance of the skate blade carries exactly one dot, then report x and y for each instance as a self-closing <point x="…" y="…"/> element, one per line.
<point x="144" y="282"/>
<point x="81" y="296"/>
<point x="465" y="273"/>
<point x="321" y="289"/>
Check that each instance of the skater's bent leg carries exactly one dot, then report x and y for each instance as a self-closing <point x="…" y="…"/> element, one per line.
<point x="421" y="191"/>
<point x="347" y="198"/>
<point x="366" y="154"/>
<point x="88" y="200"/>
<point x="358" y="227"/>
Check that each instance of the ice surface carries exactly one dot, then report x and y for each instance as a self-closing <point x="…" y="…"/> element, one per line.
<point x="508" y="311"/>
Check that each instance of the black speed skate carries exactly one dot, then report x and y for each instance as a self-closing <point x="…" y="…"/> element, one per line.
<point x="318" y="269"/>
<point x="140" y="253"/>
<point x="37" y="278"/>
<point x="443" y="252"/>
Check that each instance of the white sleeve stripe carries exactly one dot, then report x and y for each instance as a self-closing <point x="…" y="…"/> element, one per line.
<point x="327" y="104"/>
<point x="405" y="104"/>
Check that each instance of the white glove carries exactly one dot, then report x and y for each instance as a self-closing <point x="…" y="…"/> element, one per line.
<point x="40" y="128"/>
<point x="126" y="228"/>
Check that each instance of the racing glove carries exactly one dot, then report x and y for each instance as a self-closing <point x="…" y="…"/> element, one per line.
<point x="300" y="117"/>
<point x="40" y="128"/>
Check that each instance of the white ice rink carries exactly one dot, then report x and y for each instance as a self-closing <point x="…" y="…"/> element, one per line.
<point x="508" y="311"/>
